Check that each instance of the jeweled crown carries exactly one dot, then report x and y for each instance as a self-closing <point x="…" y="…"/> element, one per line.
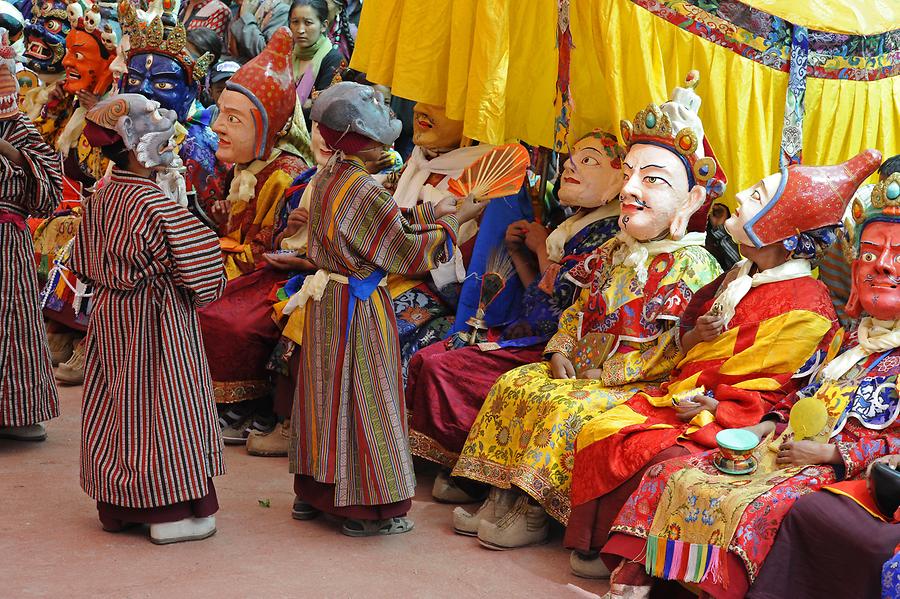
<point x="882" y="204"/>
<point x="159" y="37"/>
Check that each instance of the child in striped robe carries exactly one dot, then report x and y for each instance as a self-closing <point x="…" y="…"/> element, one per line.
<point x="150" y="439"/>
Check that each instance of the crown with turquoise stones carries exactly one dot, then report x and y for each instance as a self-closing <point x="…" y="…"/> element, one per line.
<point x="161" y="35"/>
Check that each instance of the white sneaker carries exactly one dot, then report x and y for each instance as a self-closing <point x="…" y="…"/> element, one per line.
<point x="189" y="529"/>
<point x="445" y="490"/>
<point x="499" y="502"/>
<point x="584" y="567"/>
<point x="525" y="524"/>
<point x="627" y="591"/>
<point x="29" y="432"/>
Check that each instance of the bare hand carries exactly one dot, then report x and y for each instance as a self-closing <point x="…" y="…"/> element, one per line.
<point x="561" y="367"/>
<point x="57" y="93"/>
<point x="297" y="219"/>
<point x="385" y="161"/>
<point x="515" y="235"/>
<point x="220" y="210"/>
<point x="87" y="100"/>
<point x="803" y="453"/>
<point x="709" y="327"/>
<point x="288" y="262"/>
<point x="468" y="209"/>
<point x="536" y="237"/>
<point x="592" y="373"/>
<point x="688" y="409"/>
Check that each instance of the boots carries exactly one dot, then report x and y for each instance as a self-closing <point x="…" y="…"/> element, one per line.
<point x="447" y="491"/>
<point x="29" y="432"/>
<point x="272" y="444"/>
<point x="71" y="372"/>
<point x="189" y="529"/>
<point x="525" y="524"/>
<point x="499" y="502"/>
<point x="61" y="346"/>
<point x="587" y="567"/>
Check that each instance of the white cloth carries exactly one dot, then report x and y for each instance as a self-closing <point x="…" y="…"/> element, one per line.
<point x="313" y="288"/>
<point x="874" y="336"/>
<point x="735" y="291"/>
<point x="557" y="240"/>
<point x="637" y="254"/>
<point x="243" y="184"/>
<point x="412" y="188"/>
<point x="299" y="241"/>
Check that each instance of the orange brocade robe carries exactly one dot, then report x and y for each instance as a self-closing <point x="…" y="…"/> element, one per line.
<point x="779" y="334"/>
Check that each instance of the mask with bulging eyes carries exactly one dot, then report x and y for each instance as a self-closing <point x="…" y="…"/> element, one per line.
<point x="149" y="130"/>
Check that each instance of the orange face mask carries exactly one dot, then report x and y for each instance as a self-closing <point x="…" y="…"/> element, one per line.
<point x="85" y="65"/>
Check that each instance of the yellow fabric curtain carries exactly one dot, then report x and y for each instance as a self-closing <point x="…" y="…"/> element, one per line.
<point x="860" y="17"/>
<point x="494" y="64"/>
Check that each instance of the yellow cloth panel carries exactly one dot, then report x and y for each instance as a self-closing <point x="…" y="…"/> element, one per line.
<point x="804" y="329"/>
<point x="610" y="423"/>
<point x="643" y="57"/>
<point x="862" y="17"/>
<point x="846" y="117"/>
<point x="376" y="41"/>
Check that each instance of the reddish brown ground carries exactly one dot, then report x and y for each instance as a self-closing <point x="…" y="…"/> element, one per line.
<point x="51" y="544"/>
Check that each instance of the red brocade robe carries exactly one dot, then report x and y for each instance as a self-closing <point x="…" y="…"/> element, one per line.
<point x="27" y="389"/>
<point x="150" y="435"/>
<point x="779" y="334"/>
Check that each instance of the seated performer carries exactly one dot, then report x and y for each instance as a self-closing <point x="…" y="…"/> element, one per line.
<point x="844" y="531"/>
<point x="350" y="451"/>
<point x="31" y="185"/>
<point x="427" y="306"/>
<point x="443" y="403"/>
<point x="753" y="337"/>
<point x="150" y="442"/>
<point x="238" y="331"/>
<point x="619" y="336"/>
<point x="58" y="112"/>
<point x="161" y="67"/>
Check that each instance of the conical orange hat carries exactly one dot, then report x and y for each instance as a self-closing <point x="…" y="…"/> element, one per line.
<point x="267" y="81"/>
<point x="810" y="197"/>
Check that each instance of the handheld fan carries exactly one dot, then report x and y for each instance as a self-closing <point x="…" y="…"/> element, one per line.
<point x="498" y="173"/>
<point x="499" y="269"/>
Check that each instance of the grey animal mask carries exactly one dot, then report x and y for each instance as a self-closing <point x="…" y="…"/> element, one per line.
<point x="348" y="106"/>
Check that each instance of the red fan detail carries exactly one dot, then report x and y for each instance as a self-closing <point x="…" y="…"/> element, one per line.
<point x="498" y="173"/>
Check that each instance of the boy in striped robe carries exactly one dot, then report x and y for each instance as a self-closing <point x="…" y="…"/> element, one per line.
<point x="350" y="451"/>
<point x="150" y="439"/>
<point x="31" y="185"/>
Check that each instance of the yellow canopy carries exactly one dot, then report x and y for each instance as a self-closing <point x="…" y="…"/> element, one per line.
<point x="494" y="65"/>
<point x="860" y="17"/>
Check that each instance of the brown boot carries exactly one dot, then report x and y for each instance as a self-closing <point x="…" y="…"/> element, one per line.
<point x="61" y="346"/>
<point x="72" y="371"/>
<point x="273" y="444"/>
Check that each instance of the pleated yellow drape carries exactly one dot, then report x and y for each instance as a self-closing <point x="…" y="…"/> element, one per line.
<point x="493" y="63"/>
<point x="859" y="17"/>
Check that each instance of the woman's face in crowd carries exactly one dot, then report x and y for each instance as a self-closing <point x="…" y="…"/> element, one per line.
<point x="305" y="26"/>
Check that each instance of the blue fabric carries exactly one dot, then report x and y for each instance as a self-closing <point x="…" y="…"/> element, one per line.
<point x="361" y="289"/>
<point x="499" y="214"/>
<point x="890" y="578"/>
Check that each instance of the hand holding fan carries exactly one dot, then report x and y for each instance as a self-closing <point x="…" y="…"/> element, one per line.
<point x="498" y="173"/>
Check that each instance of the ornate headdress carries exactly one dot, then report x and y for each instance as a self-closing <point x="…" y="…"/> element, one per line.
<point x="810" y="197"/>
<point x="881" y="206"/>
<point x="94" y="19"/>
<point x="160" y="35"/>
<point x="677" y="127"/>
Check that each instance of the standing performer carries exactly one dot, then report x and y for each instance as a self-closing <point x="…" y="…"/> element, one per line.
<point x="150" y="440"/>
<point x="31" y="184"/>
<point x="350" y="450"/>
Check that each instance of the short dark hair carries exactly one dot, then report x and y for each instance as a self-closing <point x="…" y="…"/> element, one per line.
<point x="206" y="40"/>
<point x="116" y="153"/>
<point x="718" y="207"/>
<point x="320" y="7"/>
<point x="889" y="167"/>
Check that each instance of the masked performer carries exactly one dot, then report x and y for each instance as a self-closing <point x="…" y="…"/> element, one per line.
<point x="58" y="112"/>
<point x="150" y="440"/>
<point x="238" y="330"/>
<point x="161" y="68"/>
<point x="618" y="336"/>
<point x="350" y="451"/>
<point x="845" y="530"/>
<point x="446" y="387"/>
<point x="753" y="337"/>
<point x="425" y="306"/>
<point x="31" y="184"/>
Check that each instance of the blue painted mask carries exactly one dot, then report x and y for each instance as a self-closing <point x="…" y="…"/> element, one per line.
<point x="45" y="37"/>
<point x="163" y="79"/>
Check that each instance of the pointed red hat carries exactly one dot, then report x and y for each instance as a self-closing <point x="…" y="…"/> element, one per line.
<point x="810" y="197"/>
<point x="267" y="81"/>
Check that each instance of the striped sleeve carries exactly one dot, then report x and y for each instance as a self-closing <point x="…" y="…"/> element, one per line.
<point x="191" y="251"/>
<point x="379" y="232"/>
<point x="41" y="180"/>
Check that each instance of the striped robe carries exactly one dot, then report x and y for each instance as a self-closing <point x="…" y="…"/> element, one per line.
<point x="349" y="423"/>
<point x="27" y="389"/>
<point x="149" y="432"/>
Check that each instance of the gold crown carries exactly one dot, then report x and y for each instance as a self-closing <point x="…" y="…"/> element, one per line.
<point x="886" y="194"/>
<point x="157" y="38"/>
